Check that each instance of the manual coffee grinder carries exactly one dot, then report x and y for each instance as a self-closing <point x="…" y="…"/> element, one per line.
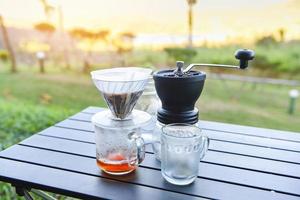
<point x="119" y="145"/>
<point x="179" y="89"/>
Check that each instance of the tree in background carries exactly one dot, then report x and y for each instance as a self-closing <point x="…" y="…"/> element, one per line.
<point x="8" y="46"/>
<point x="48" y="9"/>
<point x="4" y="55"/>
<point x="281" y="33"/>
<point x="45" y="27"/>
<point x="90" y="38"/>
<point x="184" y="54"/>
<point x="266" y="41"/>
<point x="191" y="3"/>
<point x="124" y="44"/>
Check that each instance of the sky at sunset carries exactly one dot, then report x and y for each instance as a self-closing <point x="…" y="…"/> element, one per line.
<point x="215" y="18"/>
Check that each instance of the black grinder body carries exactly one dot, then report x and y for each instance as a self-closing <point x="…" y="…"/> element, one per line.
<point x="178" y="95"/>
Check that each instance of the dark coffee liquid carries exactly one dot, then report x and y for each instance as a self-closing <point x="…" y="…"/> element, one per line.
<point x="122" y="104"/>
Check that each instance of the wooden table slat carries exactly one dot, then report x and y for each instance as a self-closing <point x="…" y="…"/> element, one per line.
<point x="242" y="163"/>
<point x="227" y="136"/>
<point x="149" y="177"/>
<point x="79" y="185"/>
<point x="233" y="128"/>
<point x="88" y="150"/>
<point x="230" y="147"/>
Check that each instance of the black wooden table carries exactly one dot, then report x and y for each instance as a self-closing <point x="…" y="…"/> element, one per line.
<point x="242" y="163"/>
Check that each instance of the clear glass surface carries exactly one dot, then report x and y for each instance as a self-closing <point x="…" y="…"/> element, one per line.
<point x="116" y="150"/>
<point x="149" y="101"/>
<point x="105" y="119"/>
<point x="121" y="87"/>
<point x="119" y="145"/>
<point x="156" y="139"/>
<point x="182" y="148"/>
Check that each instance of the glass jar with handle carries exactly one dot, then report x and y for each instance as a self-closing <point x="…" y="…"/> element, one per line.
<point x="182" y="148"/>
<point x="119" y="145"/>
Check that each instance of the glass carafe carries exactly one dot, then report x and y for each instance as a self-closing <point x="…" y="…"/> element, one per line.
<point x="149" y="101"/>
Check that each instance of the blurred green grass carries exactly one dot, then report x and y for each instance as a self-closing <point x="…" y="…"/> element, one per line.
<point x="257" y="105"/>
<point x="30" y="102"/>
<point x="280" y="59"/>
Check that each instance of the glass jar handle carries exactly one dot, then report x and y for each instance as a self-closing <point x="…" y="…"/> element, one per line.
<point x="140" y="146"/>
<point x="205" y="144"/>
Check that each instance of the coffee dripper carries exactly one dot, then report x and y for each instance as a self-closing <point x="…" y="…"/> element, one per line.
<point x="180" y="88"/>
<point x="119" y="145"/>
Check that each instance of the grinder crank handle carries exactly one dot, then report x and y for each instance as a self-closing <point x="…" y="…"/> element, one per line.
<point x="243" y="55"/>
